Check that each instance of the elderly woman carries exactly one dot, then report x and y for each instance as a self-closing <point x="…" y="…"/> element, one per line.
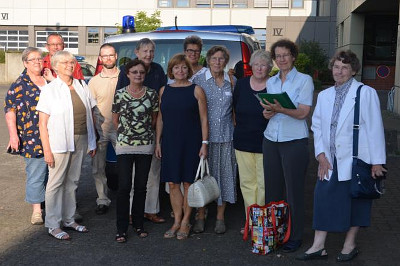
<point x="249" y="127"/>
<point x="218" y="88"/>
<point x="23" y="127"/>
<point x="332" y="124"/>
<point x="155" y="79"/>
<point x="285" y="145"/>
<point x="134" y="110"/>
<point x="182" y="134"/>
<point x="67" y="133"/>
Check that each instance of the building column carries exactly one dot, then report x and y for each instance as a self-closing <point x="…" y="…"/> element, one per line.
<point x="397" y="74"/>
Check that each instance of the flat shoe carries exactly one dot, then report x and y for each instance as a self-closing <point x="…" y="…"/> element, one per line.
<point x="154" y="218"/>
<point x="121" y="238"/>
<point x="36" y="218"/>
<point x="171" y="233"/>
<point x="61" y="235"/>
<point x="77" y="227"/>
<point x="347" y="257"/>
<point x="220" y="227"/>
<point x="313" y="256"/>
<point x="199" y="226"/>
<point x="183" y="235"/>
<point x="291" y="246"/>
<point x="141" y="232"/>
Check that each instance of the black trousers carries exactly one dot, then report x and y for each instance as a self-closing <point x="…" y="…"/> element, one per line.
<point x="142" y="168"/>
<point x="285" y="166"/>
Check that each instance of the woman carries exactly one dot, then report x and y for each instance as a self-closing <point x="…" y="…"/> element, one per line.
<point x="332" y="124"/>
<point x="23" y="127"/>
<point x="218" y="88"/>
<point x="134" y="110"/>
<point x="249" y="127"/>
<point x="285" y="144"/>
<point x="67" y="133"/>
<point x="182" y="137"/>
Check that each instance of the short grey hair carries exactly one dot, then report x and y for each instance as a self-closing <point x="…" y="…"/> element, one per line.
<point x="28" y="51"/>
<point x="143" y="42"/>
<point x="55" y="59"/>
<point x="262" y="55"/>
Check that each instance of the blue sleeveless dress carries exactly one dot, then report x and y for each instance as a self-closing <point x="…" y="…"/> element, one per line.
<point x="181" y="134"/>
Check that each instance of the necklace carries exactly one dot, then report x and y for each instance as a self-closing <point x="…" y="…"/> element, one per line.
<point x="136" y="93"/>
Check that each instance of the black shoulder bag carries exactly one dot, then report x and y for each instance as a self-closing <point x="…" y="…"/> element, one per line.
<point x="363" y="185"/>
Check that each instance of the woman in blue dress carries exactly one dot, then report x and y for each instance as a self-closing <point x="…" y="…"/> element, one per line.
<point x="181" y="139"/>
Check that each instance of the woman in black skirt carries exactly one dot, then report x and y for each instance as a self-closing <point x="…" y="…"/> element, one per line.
<point x="332" y="124"/>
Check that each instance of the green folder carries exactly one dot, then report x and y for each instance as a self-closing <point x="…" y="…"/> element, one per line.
<point x="282" y="98"/>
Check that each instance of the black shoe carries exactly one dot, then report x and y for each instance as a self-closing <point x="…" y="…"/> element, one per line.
<point x="291" y="246"/>
<point x="347" y="257"/>
<point x="101" y="209"/>
<point x="313" y="256"/>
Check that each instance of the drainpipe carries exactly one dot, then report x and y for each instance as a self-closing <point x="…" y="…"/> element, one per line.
<point x="397" y="73"/>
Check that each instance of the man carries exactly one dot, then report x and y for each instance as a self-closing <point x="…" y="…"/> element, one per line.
<point x="155" y="79"/>
<point x="102" y="88"/>
<point x="55" y="43"/>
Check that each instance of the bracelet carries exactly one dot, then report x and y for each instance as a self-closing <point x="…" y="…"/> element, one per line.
<point x="205" y="142"/>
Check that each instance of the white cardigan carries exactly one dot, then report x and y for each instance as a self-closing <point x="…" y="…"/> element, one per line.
<point x="55" y="100"/>
<point x="371" y="146"/>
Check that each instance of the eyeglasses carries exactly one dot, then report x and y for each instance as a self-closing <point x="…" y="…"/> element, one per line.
<point x="135" y="72"/>
<point x="191" y="51"/>
<point x="35" y="60"/>
<point x="55" y="44"/>
<point x="260" y="65"/>
<point x="68" y="63"/>
<point x="339" y="68"/>
<point x="107" y="56"/>
<point x="282" y="56"/>
<point x="217" y="59"/>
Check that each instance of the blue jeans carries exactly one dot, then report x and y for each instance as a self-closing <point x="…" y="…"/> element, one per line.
<point x="36" y="179"/>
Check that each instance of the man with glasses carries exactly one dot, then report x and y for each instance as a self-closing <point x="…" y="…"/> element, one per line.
<point x="55" y="43"/>
<point x="102" y="88"/>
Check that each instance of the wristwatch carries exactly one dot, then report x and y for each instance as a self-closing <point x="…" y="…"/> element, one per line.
<point x="205" y="142"/>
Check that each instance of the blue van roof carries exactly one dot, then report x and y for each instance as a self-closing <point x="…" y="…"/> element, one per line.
<point x="219" y="28"/>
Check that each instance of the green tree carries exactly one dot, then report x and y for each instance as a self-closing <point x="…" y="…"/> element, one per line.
<point x="144" y="23"/>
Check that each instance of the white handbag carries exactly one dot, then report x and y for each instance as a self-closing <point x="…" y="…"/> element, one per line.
<point x="204" y="189"/>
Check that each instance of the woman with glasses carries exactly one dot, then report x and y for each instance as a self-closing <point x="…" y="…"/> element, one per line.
<point x="135" y="111"/>
<point x="67" y="133"/>
<point x="217" y="85"/>
<point x="23" y="127"/>
<point x="285" y="144"/>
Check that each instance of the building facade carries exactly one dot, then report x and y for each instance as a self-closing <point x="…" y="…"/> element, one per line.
<point x="85" y="24"/>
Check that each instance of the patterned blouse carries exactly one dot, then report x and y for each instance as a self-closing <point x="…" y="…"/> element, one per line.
<point x="135" y="120"/>
<point x="22" y="98"/>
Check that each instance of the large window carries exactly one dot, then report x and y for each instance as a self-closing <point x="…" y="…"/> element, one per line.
<point x="16" y="40"/>
<point x="110" y="32"/>
<point x="70" y="39"/>
<point x="279" y="3"/>
<point x="203" y="3"/>
<point x="221" y="3"/>
<point x="239" y="3"/>
<point x="93" y="35"/>
<point x="261" y="3"/>
<point x="297" y="3"/>
<point x="164" y="3"/>
<point x="182" y="3"/>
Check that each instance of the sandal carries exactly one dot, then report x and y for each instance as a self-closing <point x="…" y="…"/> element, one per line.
<point x="141" y="232"/>
<point x="58" y="234"/>
<point x="121" y="237"/>
<point x="171" y="233"/>
<point x="183" y="235"/>
<point x="76" y="227"/>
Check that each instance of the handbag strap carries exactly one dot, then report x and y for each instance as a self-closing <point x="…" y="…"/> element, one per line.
<point x="199" y="172"/>
<point x="356" y="124"/>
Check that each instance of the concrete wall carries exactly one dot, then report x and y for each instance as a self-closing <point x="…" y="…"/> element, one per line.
<point x="13" y="67"/>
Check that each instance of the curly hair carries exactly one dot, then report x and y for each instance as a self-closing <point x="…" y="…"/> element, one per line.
<point x="346" y="57"/>
<point x="286" y="43"/>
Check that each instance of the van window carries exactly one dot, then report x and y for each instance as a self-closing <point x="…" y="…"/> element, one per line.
<point x="165" y="49"/>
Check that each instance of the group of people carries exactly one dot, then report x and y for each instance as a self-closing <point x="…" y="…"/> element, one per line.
<point x="161" y="125"/>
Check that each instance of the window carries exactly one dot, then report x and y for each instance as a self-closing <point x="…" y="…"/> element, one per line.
<point x="182" y="3"/>
<point x="70" y="39"/>
<point x="165" y="3"/>
<point x="221" y="3"/>
<point x="239" y="3"/>
<point x="203" y="3"/>
<point x="261" y="3"/>
<point x="16" y="40"/>
<point x="93" y="35"/>
<point x="110" y="32"/>
<point x="280" y="3"/>
<point x="297" y="3"/>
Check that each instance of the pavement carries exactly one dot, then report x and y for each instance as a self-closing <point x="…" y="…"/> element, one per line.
<point x="24" y="244"/>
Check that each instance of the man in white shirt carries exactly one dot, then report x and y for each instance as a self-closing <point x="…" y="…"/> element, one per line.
<point x="102" y="88"/>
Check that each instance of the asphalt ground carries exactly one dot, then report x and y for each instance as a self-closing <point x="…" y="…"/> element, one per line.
<point x="24" y="244"/>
